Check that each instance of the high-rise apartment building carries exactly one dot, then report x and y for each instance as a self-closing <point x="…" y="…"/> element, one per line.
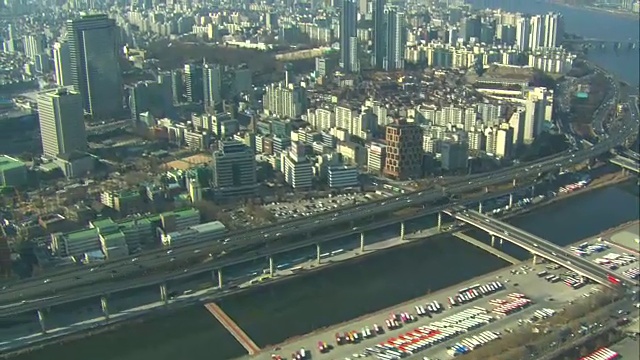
<point x="536" y="36"/>
<point x="234" y="170"/>
<point x="348" y="37"/>
<point x="378" y="33"/>
<point x="535" y="107"/>
<point x="212" y="82"/>
<point x="523" y="31"/>
<point x="94" y="62"/>
<point x="34" y="45"/>
<point x="62" y="63"/>
<point x="61" y="118"/>
<point x="454" y="155"/>
<point x="553" y="29"/>
<point x="297" y="169"/>
<point x="284" y="101"/>
<point x="394" y="35"/>
<point x="404" y="151"/>
<point x="193" y="82"/>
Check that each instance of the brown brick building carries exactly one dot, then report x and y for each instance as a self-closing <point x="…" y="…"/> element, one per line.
<point x="404" y="151"/>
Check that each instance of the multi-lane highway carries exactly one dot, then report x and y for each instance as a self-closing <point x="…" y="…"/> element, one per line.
<point x="40" y="299"/>
<point x="539" y="246"/>
<point x="124" y="270"/>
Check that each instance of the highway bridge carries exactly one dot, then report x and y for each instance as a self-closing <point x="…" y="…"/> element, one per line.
<point x="602" y="43"/>
<point x="536" y="245"/>
<point x="626" y="163"/>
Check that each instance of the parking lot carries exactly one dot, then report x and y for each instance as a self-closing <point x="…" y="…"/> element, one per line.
<point x="522" y="279"/>
<point x="291" y="210"/>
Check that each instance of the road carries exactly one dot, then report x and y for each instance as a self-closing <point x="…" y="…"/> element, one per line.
<point x="543" y="247"/>
<point x="40" y="299"/>
<point x="104" y="276"/>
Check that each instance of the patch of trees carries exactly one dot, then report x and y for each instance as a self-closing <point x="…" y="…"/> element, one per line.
<point x="545" y="144"/>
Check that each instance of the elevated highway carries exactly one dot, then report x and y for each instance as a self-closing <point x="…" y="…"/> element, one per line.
<point x="45" y="299"/>
<point x="626" y="163"/>
<point x="536" y="245"/>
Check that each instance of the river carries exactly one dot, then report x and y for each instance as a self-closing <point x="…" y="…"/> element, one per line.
<point x="274" y="313"/>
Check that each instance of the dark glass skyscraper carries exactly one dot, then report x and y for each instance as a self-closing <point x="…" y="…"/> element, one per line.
<point x="95" y="70"/>
<point x="378" y="33"/>
<point x="348" y="36"/>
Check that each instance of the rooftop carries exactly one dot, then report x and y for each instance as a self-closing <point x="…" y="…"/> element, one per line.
<point x="209" y="227"/>
<point x="82" y="235"/>
<point x="9" y="163"/>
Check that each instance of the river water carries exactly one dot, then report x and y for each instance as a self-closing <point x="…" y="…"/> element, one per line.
<point x="274" y="313"/>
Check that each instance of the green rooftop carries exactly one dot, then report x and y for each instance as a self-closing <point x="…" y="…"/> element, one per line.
<point x="183" y="213"/>
<point x="113" y="239"/>
<point x="82" y="235"/>
<point x="9" y="163"/>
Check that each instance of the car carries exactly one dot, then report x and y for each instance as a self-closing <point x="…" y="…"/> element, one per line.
<point x="172" y="259"/>
<point x="134" y="259"/>
<point x="170" y="251"/>
<point x="196" y="251"/>
<point x="46" y="281"/>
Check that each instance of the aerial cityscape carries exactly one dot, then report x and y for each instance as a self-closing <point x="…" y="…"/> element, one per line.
<point x="340" y="179"/>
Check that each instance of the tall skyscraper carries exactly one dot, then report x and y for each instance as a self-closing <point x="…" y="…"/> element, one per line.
<point x="348" y="37"/>
<point x="95" y="70"/>
<point x="552" y="29"/>
<point x="62" y="63"/>
<point x="193" y="82"/>
<point x="212" y="82"/>
<point x="404" y="151"/>
<point x="34" y="45"/>
<point x="234" y="170"/>
<point x="523" y="30"/>
<point x="394" y="54"/>
<point x="378" y="33"/>
<point x="62" y="126"/>
<point x="536" y="37"/>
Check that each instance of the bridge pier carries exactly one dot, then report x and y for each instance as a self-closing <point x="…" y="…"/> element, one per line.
<point x="362" y="242"/>
<point x="163" y="294"/>
<point x="535" y="259"/>
<point x="318" y="254"/>
<point x="41" y="321"/>
<point x="402" y="230"/>
<point x="439" y="221"/>
<point x="510" y="201"/>
<point x="493" y="241"/>
<point x="515" y="182"/>
<point x="533" y="190"/>
<point x="480" y="207"/>
<point x="220" y="284"/>
<point x="271" y="267"/>
<point x="214" y="276"/>
<point x="105" y="307"/>
<point x="486" y="189"/>
<point x="501" y="240"/>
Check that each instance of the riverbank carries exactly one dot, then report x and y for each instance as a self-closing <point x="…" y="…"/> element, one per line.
<point x="521" y="277"/>
<point x="621" y="13"/>
<point x="353" y="260"/>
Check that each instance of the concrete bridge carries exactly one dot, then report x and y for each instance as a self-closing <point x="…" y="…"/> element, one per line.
<point x="535" y="245"/>
<point x="626" y="163"/>
<point x="604" y="43"/>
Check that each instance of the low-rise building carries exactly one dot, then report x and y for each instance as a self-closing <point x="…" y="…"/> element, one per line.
<point x="194" y="233"/>
<point x="13" y="172"/>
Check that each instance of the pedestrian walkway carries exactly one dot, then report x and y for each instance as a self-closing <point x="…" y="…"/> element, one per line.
<point x="487" y="248"/>
<point x="233" y="328"/>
